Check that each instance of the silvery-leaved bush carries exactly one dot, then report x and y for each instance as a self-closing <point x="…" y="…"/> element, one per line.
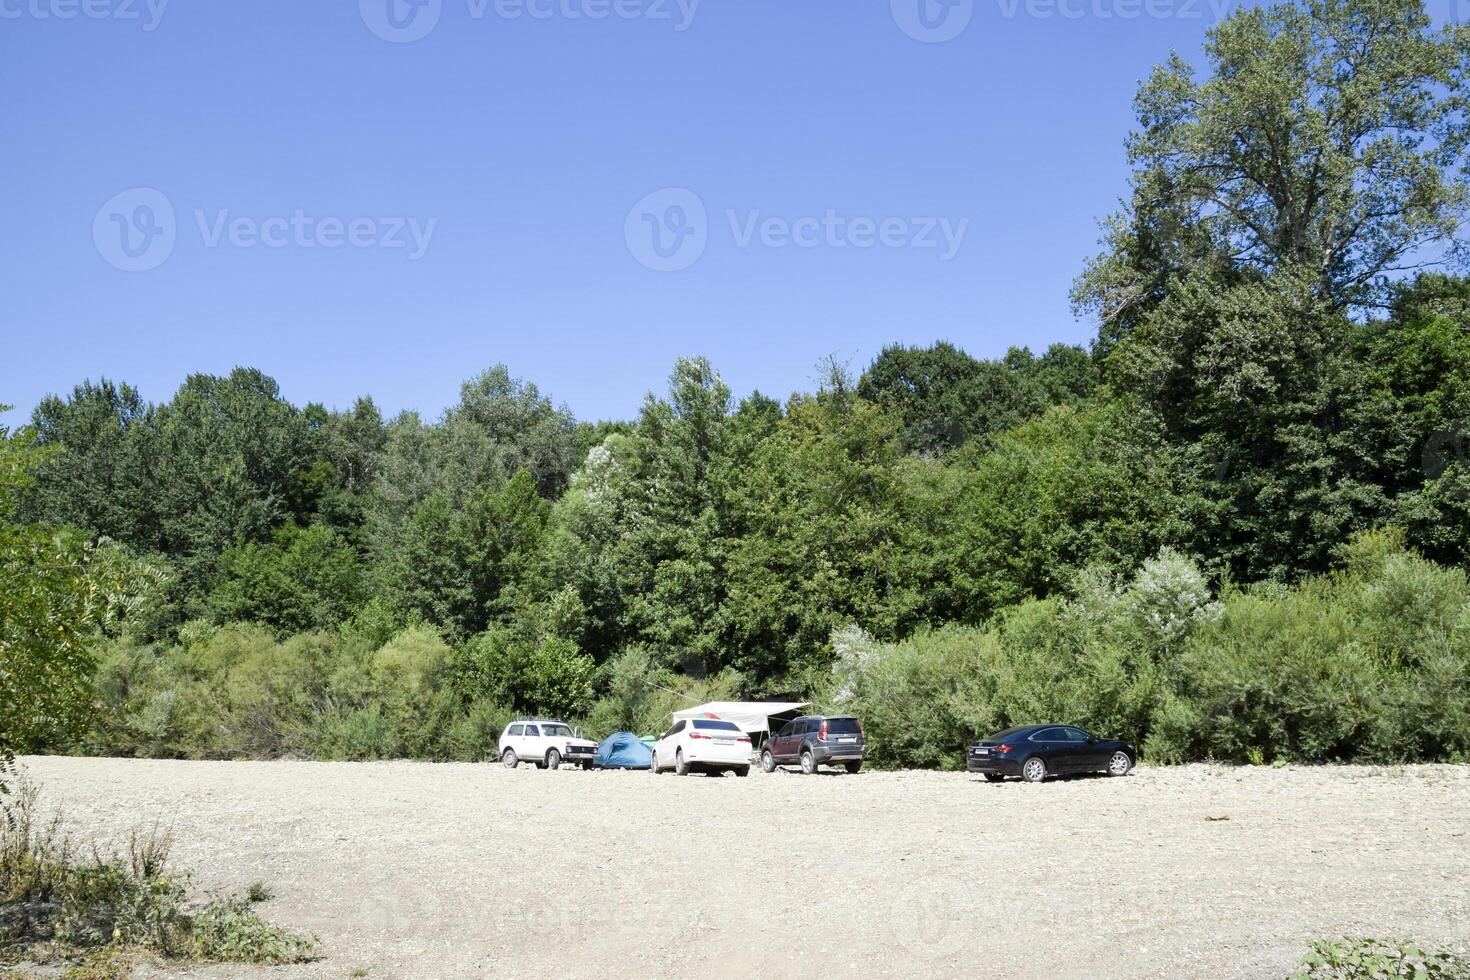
<point x="855" y="651"/>
<point x="1169" y="595"/>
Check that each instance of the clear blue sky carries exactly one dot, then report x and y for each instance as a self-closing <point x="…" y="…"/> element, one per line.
<point x="527" y="141"/>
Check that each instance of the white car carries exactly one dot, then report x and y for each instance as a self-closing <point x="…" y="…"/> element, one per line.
<point x="707" y="744"/>
<point x="546" y="744"/>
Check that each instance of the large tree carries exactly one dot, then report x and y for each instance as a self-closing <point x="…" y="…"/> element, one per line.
<point x="57" y="590"/>
<point x="944" y="398"/>
<point x="1327" y="140"/>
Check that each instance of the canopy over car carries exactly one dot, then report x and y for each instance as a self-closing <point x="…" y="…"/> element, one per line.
<point x="752" y="717"/>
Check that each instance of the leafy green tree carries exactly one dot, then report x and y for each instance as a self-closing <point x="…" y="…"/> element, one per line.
<point x="227" y="455"/>
<point x="500" y="426"/>
<point x="101" y="477"/>
<point x="1326" y="142"/>
<point x="461" y="568"/>
<point x="305" y="579"/>
<point x="826" y="535"/>
<point x="58" y="591"/>
<point x="944" y="398"/>
<point x="1094" y="485"/>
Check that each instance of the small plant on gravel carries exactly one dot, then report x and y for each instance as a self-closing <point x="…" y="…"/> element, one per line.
<point x="57" y="902"/>
<point x="1362" y="958"/>
<point x="259" y="892"/>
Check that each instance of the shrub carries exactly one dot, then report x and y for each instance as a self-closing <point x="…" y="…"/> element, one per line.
<point x="1377" y="959"/>
<point x="51" y="892"/>
<point x="1366" y="664"/>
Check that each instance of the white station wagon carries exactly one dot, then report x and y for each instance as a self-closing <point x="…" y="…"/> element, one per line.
<point x="544" y="744"/>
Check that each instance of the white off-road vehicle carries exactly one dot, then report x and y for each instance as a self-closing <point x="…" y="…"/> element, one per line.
<point x="545" y="744"/>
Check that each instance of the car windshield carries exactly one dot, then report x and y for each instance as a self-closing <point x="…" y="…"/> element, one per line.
<point x="842" y="726"/>
<point x="716" y="726"/>
<point x="558" y="730"/>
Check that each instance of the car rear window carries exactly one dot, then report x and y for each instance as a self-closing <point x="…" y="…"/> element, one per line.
<point x="716" y="726"/>
<point x="842" y="726"/>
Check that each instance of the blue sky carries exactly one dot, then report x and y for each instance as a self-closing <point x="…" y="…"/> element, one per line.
<point x="358" y="211"/>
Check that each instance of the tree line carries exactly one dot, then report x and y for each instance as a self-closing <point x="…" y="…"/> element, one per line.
<point x="1273" y="379"/>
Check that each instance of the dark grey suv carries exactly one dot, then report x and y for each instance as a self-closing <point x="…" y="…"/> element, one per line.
<point x="816" y="740"/>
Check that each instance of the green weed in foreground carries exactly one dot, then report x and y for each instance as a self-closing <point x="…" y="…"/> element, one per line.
<point x="1362" y="958"/>
<point x="58" y="901"/>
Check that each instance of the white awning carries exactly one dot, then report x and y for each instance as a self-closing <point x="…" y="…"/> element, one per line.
<point x="751" y="716"/>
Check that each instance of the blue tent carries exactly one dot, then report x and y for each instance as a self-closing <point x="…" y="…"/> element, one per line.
<point x="623" y="750"/>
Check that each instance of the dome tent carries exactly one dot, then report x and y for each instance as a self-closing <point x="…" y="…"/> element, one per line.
<point x="623" y="750"/>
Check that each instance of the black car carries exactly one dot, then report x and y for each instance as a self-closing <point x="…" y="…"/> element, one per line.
<point x="815" y="740"/>
<point x="1034" y="752"/>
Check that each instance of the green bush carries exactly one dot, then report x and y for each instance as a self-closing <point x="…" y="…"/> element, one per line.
<point x="77" y="902"/>
<point x="1377" y="959"/>
<point x="1366" y="664"/>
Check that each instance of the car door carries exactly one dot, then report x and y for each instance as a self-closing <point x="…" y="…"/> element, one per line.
<point x="1092" y="754"/>
<point x="530" y="747"/>
<point x="1054" y="749"/>
<point x="1072" y="749"/>
<point x="668" y="746"/>
<point x="781" y="742"/>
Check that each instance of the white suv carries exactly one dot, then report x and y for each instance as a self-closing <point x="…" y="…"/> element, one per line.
<point x="546" y="744"/>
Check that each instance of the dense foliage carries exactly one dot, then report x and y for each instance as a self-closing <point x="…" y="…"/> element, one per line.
<point x="966" y="542"/>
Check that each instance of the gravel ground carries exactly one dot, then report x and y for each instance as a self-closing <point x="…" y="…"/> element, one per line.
<point x="417" y="870"/>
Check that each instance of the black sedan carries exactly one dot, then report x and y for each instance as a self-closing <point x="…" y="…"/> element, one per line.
<point x="1037" y="751"/>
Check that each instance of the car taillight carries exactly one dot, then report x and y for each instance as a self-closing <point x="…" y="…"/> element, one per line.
<point x="822" y="732"/>
<point x="697" y="735"/>
<point x="744" y="738"/>
<point x="1004" y="747"/>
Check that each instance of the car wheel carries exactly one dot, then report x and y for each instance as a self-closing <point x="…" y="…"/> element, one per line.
<point x="768" y="762"/>
<point x="743" y="771"/>
<point x="1034" y="770"/>
<point x="653" y="763"/>
<point x="808" y="763"/>
<point x="586" y="767"/>
<point x="853" y="767"/>
<point x="510" y="758"/>
<point x="553" y="759"/>
<point x="681" y="768"/>
<point x="1119" y="764"/>
<point x="993" y="777"/>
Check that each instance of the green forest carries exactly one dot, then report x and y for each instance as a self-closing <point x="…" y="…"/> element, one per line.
<point x="1234" y="526"/>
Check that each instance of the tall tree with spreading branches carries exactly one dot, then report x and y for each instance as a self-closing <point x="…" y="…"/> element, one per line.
<point x="1326" y="140"/>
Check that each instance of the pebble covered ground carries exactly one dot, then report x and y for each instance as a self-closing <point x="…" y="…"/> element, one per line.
<point x="457" y="870"/>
